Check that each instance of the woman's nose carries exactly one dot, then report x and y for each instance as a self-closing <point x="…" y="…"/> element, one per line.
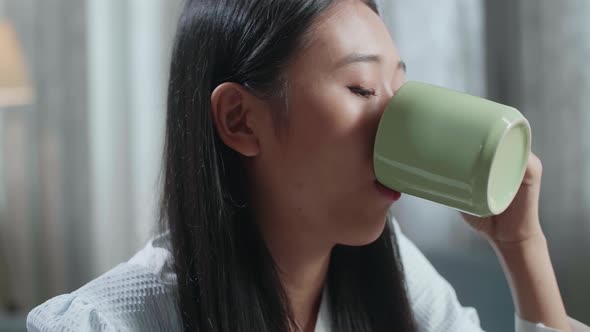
<point x="386" y="96"/>
<point x="375" y="117"/>
<point x="389" y="93"/>
<point x="385" y="99"/>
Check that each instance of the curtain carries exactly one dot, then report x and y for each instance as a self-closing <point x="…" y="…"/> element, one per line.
<point x="79" y="168"/>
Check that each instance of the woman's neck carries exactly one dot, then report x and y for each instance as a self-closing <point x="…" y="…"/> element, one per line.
<point x="302" y="263"/>
<point x="303" y="284"/>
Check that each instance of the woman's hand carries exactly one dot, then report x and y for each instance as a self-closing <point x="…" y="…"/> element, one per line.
<point x="518" y="240"/>
<point x="520" y="222"/>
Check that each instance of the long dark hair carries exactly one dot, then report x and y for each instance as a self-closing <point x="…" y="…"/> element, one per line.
<point x="226" y="277"/>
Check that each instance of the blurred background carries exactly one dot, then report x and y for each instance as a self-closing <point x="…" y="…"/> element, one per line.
<point x="82" y="105"/>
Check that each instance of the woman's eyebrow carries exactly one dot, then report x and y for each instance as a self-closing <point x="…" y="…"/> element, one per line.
<point x="358" y="57"/>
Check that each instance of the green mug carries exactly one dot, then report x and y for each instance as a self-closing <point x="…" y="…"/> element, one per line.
<point x="465" y="152"/>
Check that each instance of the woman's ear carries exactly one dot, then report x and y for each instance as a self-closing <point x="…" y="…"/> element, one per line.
<point x="233" y="112"/>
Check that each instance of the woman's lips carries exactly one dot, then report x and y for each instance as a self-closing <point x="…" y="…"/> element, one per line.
<point x="391" y="194"/>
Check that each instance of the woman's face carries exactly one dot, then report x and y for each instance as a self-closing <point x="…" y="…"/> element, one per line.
<point x="318" y="169"/>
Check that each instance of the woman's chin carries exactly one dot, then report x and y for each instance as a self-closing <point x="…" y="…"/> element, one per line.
<point x="366" y="233"/>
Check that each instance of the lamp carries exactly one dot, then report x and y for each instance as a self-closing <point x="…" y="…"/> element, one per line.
<point x="15" y="86"/>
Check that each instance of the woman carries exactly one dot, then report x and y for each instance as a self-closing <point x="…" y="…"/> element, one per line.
<point x="273" y="219"/>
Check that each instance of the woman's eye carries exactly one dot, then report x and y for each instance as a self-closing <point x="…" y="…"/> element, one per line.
<point x="362" y="92"/>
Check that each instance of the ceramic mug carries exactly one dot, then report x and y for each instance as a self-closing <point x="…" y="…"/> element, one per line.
<point x="465" y="152"/>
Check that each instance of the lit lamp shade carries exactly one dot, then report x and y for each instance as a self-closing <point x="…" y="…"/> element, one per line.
<point x="15" y="86"/>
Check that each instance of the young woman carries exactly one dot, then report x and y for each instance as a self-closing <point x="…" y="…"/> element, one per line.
<point x="273" y="219"/>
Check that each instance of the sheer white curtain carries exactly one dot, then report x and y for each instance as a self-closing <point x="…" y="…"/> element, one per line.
<point x="127" y="85"/>
<point x="83" y="161"/>
<point x="128" y="50"/>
